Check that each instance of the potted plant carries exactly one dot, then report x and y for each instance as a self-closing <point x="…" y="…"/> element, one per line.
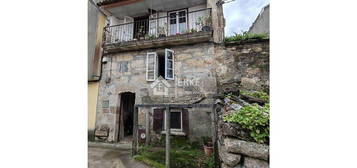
<point x="193" y="30"/>
<point x="162" y="31"/>
<point x="205" y="23"/>
<point x="207" y="146"/>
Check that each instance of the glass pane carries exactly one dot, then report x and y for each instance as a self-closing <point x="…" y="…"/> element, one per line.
<point x="169" y="55"/>
<point x="173" y="29"/>
<point x="150" y="74"/>
<point x="182" y="13"/>
<point x="170" y="73"/>
<point x="182" y="27"/>
<point x="173" y="21"/>
<point x="182" y="20"/>
<point x="169" y="64"/>
<point x="175" y="120"/>
<point x="173" y="15"/>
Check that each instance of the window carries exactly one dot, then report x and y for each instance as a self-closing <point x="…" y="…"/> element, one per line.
<point x="175" y="120"/>
<point x="160" y="64"/>
<point x="169" y="64"/>
<point x="150" y="66"/>
<point x="178" y="22"/>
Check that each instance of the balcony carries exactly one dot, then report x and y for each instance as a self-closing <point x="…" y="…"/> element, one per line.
<point x="177" y="28"/>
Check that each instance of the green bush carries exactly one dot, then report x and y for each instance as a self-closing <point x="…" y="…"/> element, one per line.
<point x="245" y="36"/>
<point x="183" y="154"/>
<point x="256" y="94"/>
<point x="254" y="118"/>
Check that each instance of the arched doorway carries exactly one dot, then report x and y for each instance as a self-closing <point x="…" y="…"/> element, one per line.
<point x="126" y="116"/>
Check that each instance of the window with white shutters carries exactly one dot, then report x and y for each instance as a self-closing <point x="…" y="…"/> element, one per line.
<point x="150" y="66"/>
<point x="160" y="64"/>
<point x="169" y="64"/>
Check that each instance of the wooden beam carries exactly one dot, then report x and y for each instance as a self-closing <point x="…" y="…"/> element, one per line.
<point x="167" y="123"/>
<point x="174" y="105"/>
<point x="120" y="3"/>
<point x="147" y="128"/>
<point x="215" y="136"/>
<point x="135" y="133"/>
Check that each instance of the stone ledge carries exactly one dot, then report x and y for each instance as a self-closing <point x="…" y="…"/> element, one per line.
<point x="255" y="163"/>
<point x="228" y="159"/>
<point x="182" y="39"/>
<point x="235" y="130"/>
<point x="249" y="41"/>
<point x="250" y="149"/>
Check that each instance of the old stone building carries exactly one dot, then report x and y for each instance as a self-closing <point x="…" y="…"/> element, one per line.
<point x="157" y="52"/>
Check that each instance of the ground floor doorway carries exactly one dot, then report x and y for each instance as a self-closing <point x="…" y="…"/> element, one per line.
<point x="126" y="116"/>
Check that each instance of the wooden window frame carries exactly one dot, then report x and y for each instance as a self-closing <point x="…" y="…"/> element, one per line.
<point x="147" y="66"/>
<point x="174" y="129"/>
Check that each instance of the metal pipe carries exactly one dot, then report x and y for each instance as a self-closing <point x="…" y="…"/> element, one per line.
<point x="167" y="123"/>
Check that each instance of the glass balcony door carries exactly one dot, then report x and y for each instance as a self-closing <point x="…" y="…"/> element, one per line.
<point x="178" y="22"/>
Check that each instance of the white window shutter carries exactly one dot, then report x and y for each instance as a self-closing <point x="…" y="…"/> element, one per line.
<point x="150" y="66"/>
<point x="169" y="64"/>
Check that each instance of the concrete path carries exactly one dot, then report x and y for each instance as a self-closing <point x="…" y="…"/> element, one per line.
<point x="101" y="157"/>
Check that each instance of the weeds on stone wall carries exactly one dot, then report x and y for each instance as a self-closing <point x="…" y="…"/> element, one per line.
<point x="253" y="117"/>
<point x="245" y="36"/>
<point x="257" y="94"/>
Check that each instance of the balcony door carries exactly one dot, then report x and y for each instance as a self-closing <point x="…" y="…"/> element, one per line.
<point x="178" y="22"/>
<point x="141" y="26"/>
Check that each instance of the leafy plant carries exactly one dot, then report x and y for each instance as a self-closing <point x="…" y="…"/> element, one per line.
<point x="193" y="30"/>
<point x="245" y="36"/>
<point x="162" y="29"/>
<point x="256" y="94"/>
<point x="204" y="21"/>
<point x="183" y="154"/>
<point x="253" y="117"/>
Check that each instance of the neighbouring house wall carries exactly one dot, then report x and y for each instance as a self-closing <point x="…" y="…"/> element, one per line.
<point x="127" y="73"/>
<point x="261" y="24"/>
<point x="243" y="65"/>
<point x="92" y="103"/>
<point x="96" y="24"/>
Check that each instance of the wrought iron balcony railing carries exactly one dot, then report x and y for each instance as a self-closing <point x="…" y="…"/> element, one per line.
<point x="175" y="23"/>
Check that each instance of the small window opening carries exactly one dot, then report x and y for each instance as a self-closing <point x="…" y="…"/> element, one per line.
<point x="161" y="65"/>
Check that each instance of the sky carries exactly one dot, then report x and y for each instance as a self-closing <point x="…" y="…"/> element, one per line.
<point x="240" y="14"/>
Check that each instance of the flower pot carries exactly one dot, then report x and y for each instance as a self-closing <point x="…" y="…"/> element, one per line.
<point x="206" y="28"/>
<point x="208" y="150"/>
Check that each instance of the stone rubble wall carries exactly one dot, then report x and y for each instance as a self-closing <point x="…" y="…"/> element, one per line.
<point x="243" y="65"/>
<point x="240" y="66"/>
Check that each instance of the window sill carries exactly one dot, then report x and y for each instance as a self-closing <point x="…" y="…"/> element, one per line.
<point x="177" y="133"/>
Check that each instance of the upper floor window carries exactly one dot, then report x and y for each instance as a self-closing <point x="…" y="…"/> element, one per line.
<point x="160" y="64"/>
<point x="178" y="22"/>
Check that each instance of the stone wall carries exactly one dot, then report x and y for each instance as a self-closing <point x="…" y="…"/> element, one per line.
<point x="126" y="72"/>
<point x="237" y="151"/>
<point x="243" y="65"/>
<point x="240" y="66"/>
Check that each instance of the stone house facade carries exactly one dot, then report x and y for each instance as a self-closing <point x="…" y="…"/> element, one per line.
<point x="156" y="54"/>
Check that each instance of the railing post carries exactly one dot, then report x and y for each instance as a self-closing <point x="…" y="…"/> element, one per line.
<point x="167" y="123"/>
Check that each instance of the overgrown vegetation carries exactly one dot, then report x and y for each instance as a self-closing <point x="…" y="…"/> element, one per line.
<point x="257" y="94"/>
<point x="245" y="36"/>
<point x="253" y="117"/>
<point x="183" y="154"/>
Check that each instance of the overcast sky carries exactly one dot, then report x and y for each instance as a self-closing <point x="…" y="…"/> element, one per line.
<point x="240" y="14"/>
